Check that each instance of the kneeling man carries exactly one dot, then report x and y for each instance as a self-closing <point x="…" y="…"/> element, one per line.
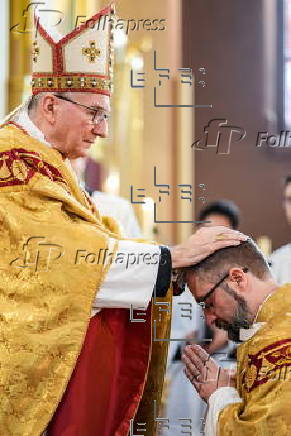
<point x="237" y="292"/>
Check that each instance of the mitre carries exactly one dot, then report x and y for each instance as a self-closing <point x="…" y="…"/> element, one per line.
<point x="81" y="61"/>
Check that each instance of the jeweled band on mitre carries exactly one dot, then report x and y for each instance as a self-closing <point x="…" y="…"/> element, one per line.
<point x="69" y="83"/>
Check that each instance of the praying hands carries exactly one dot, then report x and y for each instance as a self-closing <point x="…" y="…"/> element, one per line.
<point x="204" y="373"/>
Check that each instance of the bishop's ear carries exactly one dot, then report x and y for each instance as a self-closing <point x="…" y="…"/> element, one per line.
<point x="49" y="108"/>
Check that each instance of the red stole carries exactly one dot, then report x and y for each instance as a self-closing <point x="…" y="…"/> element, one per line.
<point x="108" y="380"/>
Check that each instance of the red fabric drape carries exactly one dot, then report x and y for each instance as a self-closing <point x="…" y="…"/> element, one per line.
<point x="107" y="383"/>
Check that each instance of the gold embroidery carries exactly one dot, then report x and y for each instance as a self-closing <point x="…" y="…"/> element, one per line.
<point x="19" y="170"/>
<point x="91" y="52"/>
<point x="4" y="171"/>
<point x="35" y="51"/>
<point x="251" y="376"/>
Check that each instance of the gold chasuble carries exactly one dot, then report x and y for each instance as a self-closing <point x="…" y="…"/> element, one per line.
<point x="46" y="298"/>
<point x="264" y="375"/>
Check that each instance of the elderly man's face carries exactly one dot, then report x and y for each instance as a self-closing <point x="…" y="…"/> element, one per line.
<point x="225" y="308"/>
<point x="74" y="131"/>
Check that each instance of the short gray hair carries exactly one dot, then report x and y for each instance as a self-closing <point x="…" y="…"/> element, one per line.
<point x="35" y="99"/>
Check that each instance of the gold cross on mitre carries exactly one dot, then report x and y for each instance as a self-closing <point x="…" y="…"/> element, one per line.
<point x="91" y="52"/>
<point x="35" y="51"/>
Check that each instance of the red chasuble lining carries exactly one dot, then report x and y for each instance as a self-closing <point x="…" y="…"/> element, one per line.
<point x="107" y="383"/>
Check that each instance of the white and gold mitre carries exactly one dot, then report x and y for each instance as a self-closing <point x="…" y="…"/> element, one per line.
<point x="81" y="61"/>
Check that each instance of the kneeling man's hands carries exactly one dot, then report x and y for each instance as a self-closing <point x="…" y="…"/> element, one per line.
<point x="203" y="372"/>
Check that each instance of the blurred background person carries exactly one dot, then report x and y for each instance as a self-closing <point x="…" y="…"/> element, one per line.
<point x="220" y="212"/>
<point x="281" y="258"/>
<point x="111" y="205"/>
<point x="120" y="209"/>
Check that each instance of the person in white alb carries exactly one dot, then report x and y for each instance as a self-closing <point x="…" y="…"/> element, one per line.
<point x="110" y="205"/>
<point x="120" y="209"/>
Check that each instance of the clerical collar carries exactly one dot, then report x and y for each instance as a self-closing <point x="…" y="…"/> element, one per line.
<point x="246" y="334"/>
<point x="22" y="118"/>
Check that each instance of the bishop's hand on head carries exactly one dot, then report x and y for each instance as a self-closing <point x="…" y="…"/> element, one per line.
<point x="203" y="243"/>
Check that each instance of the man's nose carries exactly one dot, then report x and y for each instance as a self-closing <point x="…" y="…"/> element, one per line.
<point x="101" y="129"/>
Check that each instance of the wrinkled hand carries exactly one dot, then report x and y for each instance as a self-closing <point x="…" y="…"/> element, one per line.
<point x="204" y="373"/>
<point x="204" y="242"/>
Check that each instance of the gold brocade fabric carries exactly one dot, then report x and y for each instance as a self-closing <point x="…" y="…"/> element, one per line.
<point x="264" y="375"/>
<point x="46" y="290"/>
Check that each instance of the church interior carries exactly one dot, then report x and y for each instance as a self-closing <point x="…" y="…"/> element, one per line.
<point x="200" y="113"/>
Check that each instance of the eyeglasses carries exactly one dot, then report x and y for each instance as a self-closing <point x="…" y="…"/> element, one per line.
<point x="202" y="301"/>
<point x="97" y="115"/>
